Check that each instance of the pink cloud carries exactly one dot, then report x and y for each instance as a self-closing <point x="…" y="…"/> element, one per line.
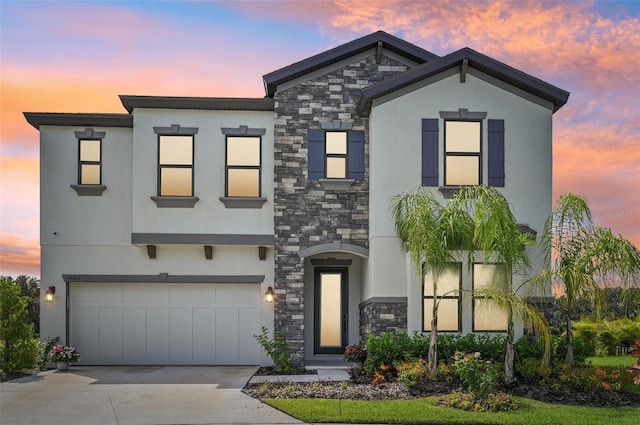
<point x="19" y="255"/>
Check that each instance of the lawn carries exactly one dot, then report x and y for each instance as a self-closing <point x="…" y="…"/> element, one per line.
<point x="425" y="411"/>
<point x="612" y="361"/>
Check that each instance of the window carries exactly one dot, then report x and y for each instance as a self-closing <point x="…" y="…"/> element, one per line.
<point x="90" y="163"/>
<point x="463" y="154"/>
<point x="449" y="301"/>
<point x="336" y="154"/>
<point x="175" y="165"/>
<point x="243" y="166"/>
<point x="461" y="148"/>
<point x="488" y="316"/>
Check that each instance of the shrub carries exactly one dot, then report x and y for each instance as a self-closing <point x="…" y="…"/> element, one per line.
<point x="355" y="353"/>
<point x="634" y="369"/>
<point x="18" y="347"/>
<point x="45" y="347"/>
<point x="276" y="349"/>
<point x="490" y="347"/>
<point x="413" y="373"/>
<point x="381" y="375"/>
<point x="387" y="349"/>
<point x="480" y="376"/>
<point x="530" y="370"/>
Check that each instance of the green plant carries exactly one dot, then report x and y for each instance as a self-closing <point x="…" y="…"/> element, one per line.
<point x="583" y="258"/>
<point x="530" y="370"/>
<point x="480" y="377"/>
<point x="413" y="373"/>
<point x="45" y="347"/>
<point x="386" y="349"/>
<point x="494" y="402"/>
<point x="355" y="353"/>
<point x="276" y="349"/>
<point x="635" y="368"/>
<point x="65" y="354"/>
<point x="18" y="347"/>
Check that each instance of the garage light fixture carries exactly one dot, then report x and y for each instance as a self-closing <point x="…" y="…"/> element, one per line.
<point x="269" y="295"/>
<point x="48" y="296"/>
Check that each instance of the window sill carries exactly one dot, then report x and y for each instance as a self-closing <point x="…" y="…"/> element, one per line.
<point x="89" y="189"/>
<point x="336" y="184"/>
<point x="450" y="191"/>
<point x="242" y="202"/>
<point x="175" y="201"/>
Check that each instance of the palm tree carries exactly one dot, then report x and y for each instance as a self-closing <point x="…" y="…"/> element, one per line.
<point x="498" y="236"/>
<point x="429" y="231"/>
<point x="584" y="259"/>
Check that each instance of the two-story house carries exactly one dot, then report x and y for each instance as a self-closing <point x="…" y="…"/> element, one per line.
<point x="163" y="228"/>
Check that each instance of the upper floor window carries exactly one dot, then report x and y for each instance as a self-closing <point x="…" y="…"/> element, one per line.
<point x="463" y="153"/>
<point x="461" y="148"/>
<point x="336" y="154"/>
<point x="90" y="162"/>
<point x="243" y="166"/>
<point x="487" y="315"/>
<point x="175" y="165"/>
<point x="447" y="297"/>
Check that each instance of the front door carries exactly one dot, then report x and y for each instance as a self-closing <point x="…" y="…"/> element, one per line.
<point x="330" y="310"/>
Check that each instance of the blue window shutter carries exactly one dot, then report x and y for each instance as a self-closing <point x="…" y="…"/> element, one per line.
<point x="315" y="138"/>
<point x="496" y="153"/>
<point x="430" y="152"/>
<point x="355" y="154"/>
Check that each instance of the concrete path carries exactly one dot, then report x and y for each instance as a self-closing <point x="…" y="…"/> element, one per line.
<point x="135" y="395"/>
<point x="322" y="375"/>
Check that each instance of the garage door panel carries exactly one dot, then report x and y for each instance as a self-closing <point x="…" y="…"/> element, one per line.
<point x="248" y="319"/>
<point x="86" y="332"/>
<point x="179" y="323"/>
<point x="110" y="334"/>
<point x="226" y="334"/>
<point x="99" y="294"/>
<point x="157" y="335"/>
<point x="191" y="294"/>
<point x="134" y="347"/>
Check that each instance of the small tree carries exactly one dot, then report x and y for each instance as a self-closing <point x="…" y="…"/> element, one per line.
<point x="431" y="231"/>
<point x="18" y="347"/>
<point x="498" y="236"/>
<point x="584" y="258"/>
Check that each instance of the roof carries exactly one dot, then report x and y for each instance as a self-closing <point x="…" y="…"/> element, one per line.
<point x="37" y="119"/>
<point x="204" y="103"/>
<point x="389" y="42"/>
<point x="476" y="60"/>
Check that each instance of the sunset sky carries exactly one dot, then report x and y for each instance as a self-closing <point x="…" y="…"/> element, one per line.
<point x="78" y="56"/>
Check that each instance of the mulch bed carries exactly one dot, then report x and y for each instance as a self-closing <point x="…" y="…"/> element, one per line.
<point x="396" y="390"/>
<point x="267" y="371"/>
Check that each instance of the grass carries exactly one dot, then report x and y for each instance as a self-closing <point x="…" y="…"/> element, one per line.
<point x="425" y="411"/>
<point x="612" y="361"/>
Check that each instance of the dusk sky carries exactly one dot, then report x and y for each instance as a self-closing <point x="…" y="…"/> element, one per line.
<point x="78" y="56"/>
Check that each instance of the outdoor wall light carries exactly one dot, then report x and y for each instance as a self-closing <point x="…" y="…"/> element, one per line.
<point x="48" y="296"/>
<point x="269" y="295"/>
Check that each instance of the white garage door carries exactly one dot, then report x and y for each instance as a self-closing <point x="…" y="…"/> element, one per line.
<point x="165" y="323"/>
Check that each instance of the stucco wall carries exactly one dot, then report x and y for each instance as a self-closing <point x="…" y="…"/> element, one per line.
<point x="395" y="166"/>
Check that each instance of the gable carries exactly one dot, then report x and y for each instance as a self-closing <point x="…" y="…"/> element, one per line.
<point x="378" y="40"/>
<point x="464" y="61"/>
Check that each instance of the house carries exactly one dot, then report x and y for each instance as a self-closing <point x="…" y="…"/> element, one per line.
<point x="163" y="228"/>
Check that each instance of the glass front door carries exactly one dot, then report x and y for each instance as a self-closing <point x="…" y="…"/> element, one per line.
<point x="330" y="311"/>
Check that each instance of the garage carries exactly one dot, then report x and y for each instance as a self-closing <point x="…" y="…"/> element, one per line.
<point x="165" y="323"/>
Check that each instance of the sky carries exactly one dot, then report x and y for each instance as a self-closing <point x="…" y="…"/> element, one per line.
<point x="78" y="56"/>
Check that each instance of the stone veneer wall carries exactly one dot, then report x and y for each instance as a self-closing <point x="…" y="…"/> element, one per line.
<point x="382" y="316"/>
<point x="305" y="213"/>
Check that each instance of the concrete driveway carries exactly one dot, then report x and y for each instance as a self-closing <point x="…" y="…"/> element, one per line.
<point x="140" y="395"/>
